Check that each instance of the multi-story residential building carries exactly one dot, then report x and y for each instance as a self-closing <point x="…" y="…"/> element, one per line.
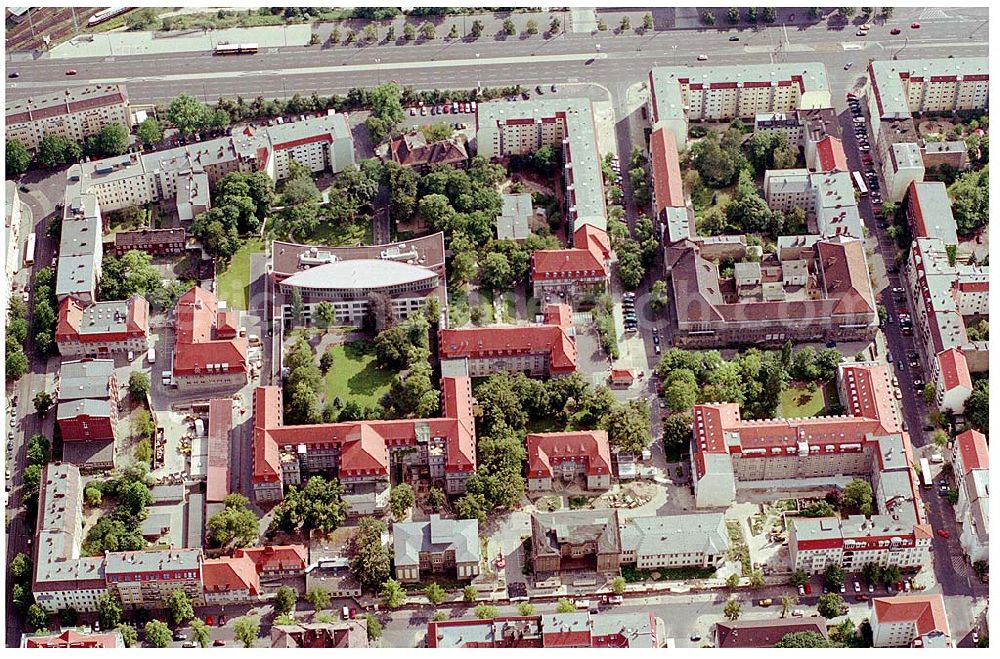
<point x="337" y="634"/>
<point x="230" y="580"/>
<point x="917" y="621"/>
<point x="437" y="546"/>
<point x="825" y="294"/>
<point x="220" y="425"/>
<point x="505" y="129"/>
<point x="74" y="639"/>
<point x="897" y="89"/>
<point x="412" y="150"/>
<point x="80" y="248"/>
<point x="829" y="156"/>
<point x="576" y="540"/>
<point x="208" y="352"/>
<point x="93" y="383"/>
<point x="516" y="211"/>
<point x="903" y="166"/>
<point x="62" y="578"/>
<point x="953" y="153"/>
<point x="808" y="129"/>
<point x="360" y="452"/>
<point x="720" y="93"/>
<point x="696" y="540"/>
<point x="972" y="475"/>
<point x="152" y="241"/>
<point x="928" y="209"/>
<point x="576" y="271"/>
<point x="539" y="350"/>
<point x="148" y="577"/>
<point x="73" y="113"/>
<point x="407" y="273"/>
<point x="564" y="456"/>
<point x="763" y="633"/>
<point x="103" y="328"/>
<point x="827" y="197"/>
<point x="553" y="630"/>
<point x="13" y="213"/>
<point x="276" y="561"/>
<point x="665" y="171"/>
<point x="953" y="382"/>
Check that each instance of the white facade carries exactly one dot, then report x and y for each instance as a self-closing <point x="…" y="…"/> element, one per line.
<point x="73" y="113"/>
<point x="12" y="225"/>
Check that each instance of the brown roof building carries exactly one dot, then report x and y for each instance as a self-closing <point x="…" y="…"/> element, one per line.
<point x="340" y="634"/>
<point x="576" y="540"/>
<point x="151" y="241"/>
<point x="763" y="633"/>
<point x="825" y="296"/>
<point x="412" y="150"/>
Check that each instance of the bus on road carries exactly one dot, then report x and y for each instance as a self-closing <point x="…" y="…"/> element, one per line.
<point x="236" y="49"/>
<point x="859" y="183"/>
<point x="29" y="250"/>
<point x="925" y="474"/>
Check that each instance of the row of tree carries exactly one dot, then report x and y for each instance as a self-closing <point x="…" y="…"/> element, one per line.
<point x="16" y="363"/>
<point x="55" y="150"/>
<point x="240" y="203"/>
<point x="43" y="321"/>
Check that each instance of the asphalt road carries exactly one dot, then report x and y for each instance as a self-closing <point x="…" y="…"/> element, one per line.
<point x="619" y="61"/>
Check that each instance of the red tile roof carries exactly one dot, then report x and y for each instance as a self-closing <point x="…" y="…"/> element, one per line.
<point x="220" y="424"/>
<point x="266" y="415"/>
<point x="548" y="448"/>
<point x="73" y="639"/>
<point x="973" y="450"/>
<point x="954" y="369"/>
<point x="668" y="186"/>
<point x="558" y="314"/>
<point x="221" y="575"/>
<point x="926" y="612"/>
<point x="197" y="346"/>
<point x="869" y="394"/>
<point x="273" y="558"/>
<point x="622" y="375"/>
<point x="830" y="155"/>
<point x="595" y="240"/>
<point x="569" y="263"/>
<point x="486" y="342"/>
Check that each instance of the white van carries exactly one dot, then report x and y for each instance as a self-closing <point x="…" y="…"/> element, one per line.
<point x="151" y="355"/>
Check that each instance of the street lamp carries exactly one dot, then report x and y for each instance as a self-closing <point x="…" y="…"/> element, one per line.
<point x="378" y="69"/>
<point x="479" y="75"/>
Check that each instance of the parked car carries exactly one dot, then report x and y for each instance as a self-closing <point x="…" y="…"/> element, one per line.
<point x="915" y="26"/>
<point x="850" y="64"/>
<point x="71" y="72"/>
<point x="857" y="587"/>
<point x="734" y="38"/>
<point x="702" y="58"/>
<point x="802" y="590"/>
<point x="895" y="31"/>
<point x="219" y="643"/>
<point x="943" y="533"/>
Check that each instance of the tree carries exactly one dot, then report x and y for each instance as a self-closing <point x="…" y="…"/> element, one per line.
<point x="42" y="402"/>
<point x="319" y="505"/>
<point x="756" y="579"/>
<point x="770" y="15"/>
<point x="647" y="21"/>
<point x="629" y="426"/>
<point x="300" y="190"/>
<point x="872" y="573"/>
<point x="752" y="14"/>
<point x="733" y="580"/>
<point x="319" y="597"/>
<point x="834" y="576"/>
<point x="179" y="608"/>
<point x="680" y="391"/>
<point x="831" y="605"/>
<point x="733" y="609"/>
<point x="435" y="498"/>
<point x="788" y="602"/>
<point x="138" y="385"/>
<point x="508" y="27"/>
<point x="129" y="635"/>
<point x="109" y="611"/>
<point x="618" y="585"/>
<point x="393" y="595"/>
<point x="469" y="594"/>
<point x="716" y="167"/>
<point x="18" y="157"/>
<point x="371" y="33"/>
<point x="858" y="496"/>
<point x="525" y="609"/>
<point x="38" y="450"/>
<point x="815" y="13"/>
<point x="798" y="578"/>
<point x="977" y="406"/>
<point x="477" y="29"/>
<point x="16" y="365"/>
<point x="427" y="30"/>
<point x="409" y="32"/>
<point x="157" y="634"/>
<point x="626" y="24"/>
<point x="20" y="568"/>
<point x="846" y="12"/>
<point x="495" y="272"/>
<point x="803" y="640"/>
<point x="112" y="140"/>
<point x="565" y="606"/>
<point x="188" y="114"/>
<point x="733" y="15"/>
<point x="435" y="594"/>
<point x="325" y="315"/>
<point x="284" y="600"/>
<point x="149" y="132"/>
<point x="531" y="27"/>
<point x="554" y="25"/>
<point x="708" y="17"/>
<point x="374" y="627"/>
<point x="401" y="499"/>
<point x="131" y="274"/>
<point x="202" y="632"/>
<point x="246" y="630"/>
<point x="369" y="560"/>
<point x="54" y="150"/>
<point x="891" y="575"/>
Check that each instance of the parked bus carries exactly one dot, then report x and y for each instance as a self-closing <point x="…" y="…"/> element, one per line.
<point x="29" y="250"/>
<point x="106" y="15"/>
<point x="859" y="183"/>
<point x="925" y="474"/>
<point x="236" y="49"/>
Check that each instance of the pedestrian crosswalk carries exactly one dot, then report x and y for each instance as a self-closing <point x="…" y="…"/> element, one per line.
<point x="932" y="13"/>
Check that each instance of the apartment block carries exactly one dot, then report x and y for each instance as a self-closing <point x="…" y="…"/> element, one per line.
<point x="230" y="580"/>
<point x="80" y="248"/>
<point x="587" y="540"/>
<point x="816" y="131"/>
<point x="358" y="452"/>
<point x="675" y="541"/>
<point x="565" y="456"/>
<point x="505" y="128"/>
<point x="917" y="621"/>
<point x="971" y="461"/>
<point x="764" y="633"/>
<point x="276" y="561"/>
<point x="819" y="291"/>
<point x="553" y="630"/>
<point x="152" y="241"/>
<point x="952" y="380"/>
<point x="437" y="546"/>
<point x="73" y="639"/>
<point x="75" y="113"/>
<point x="827" y="197"/>
<point x="340" y="634"/>
<point x="898" y="89"/>
<point x="91" y="382"/>
<point x="720" y="93"/>
<point x="928" y="209"/>
<point x="208" y="352"/>
<point x="144" y="578"/>
<point x="538" y="350"/>
<point x="406" y="273"/>
<point x="103" y="328"/>
<point x="581" y="270"/>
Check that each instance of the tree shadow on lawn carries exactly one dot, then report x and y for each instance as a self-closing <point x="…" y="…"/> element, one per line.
<point x="372" y="377"/>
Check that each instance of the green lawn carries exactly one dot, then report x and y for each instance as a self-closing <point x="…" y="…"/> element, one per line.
<point x="356" y="376"/>
<point x="332" y="234"/>
<point x="797" y="402"/>
<point x="458" y="306"/>
<point x="233" y="285"/>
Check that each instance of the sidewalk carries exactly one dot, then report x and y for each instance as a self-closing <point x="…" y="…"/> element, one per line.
<point x="123" y="44"/>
